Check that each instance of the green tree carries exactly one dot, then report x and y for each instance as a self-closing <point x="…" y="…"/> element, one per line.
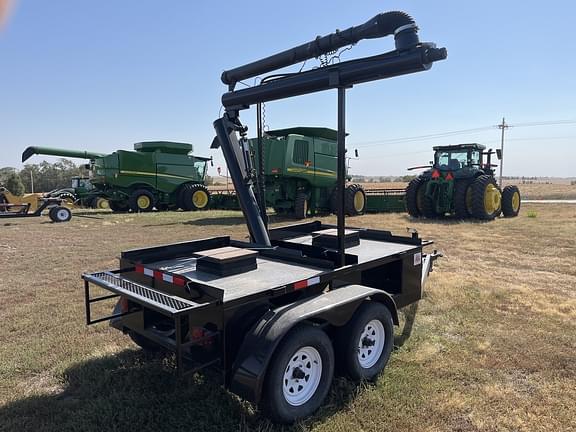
<point x="14" y="184"/>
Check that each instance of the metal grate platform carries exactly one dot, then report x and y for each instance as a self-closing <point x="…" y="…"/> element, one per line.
<point x="133" y="290"/>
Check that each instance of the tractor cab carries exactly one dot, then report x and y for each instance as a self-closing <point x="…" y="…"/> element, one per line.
<point x="457" y="157"/>
<point x="82" y="183"/>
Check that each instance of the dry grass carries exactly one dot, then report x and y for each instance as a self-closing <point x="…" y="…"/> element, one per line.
<point x="493" y="347"/>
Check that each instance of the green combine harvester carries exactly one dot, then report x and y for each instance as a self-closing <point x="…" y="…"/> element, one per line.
<point x="158" y="174"/>
<point x="461" y="182"/>
<point x="300" y="177"/>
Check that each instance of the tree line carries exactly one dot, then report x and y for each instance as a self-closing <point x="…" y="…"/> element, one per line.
<point x="41" y="177"/>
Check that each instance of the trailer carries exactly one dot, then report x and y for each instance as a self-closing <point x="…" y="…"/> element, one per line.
<point x="56" y="211"/>
<point x="276" y="315"/>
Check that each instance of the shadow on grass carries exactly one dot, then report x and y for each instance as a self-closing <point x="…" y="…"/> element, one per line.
<point x="133" y="390"/>
<point x="224" y="220"/>
<point x="445" y="220"/>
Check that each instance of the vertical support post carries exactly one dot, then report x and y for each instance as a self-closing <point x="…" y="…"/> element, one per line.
<point x="502" y="126"/>
<point x="341" y="174"/>
<point x="87" y="301"/>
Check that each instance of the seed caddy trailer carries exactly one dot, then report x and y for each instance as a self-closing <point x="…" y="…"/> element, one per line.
<point x="276" y="315"/>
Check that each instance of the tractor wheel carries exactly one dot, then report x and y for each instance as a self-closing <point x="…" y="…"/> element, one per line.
<point x="511" y="201"/>
<point x="415" y="196"/>
<point x="194" y="197"/>
<point x="118" y="206"/>
<point x="300" y="206"/>
<point x="299" y="376"/>
<point x="486" y="198"/>
<point x="354" y="200"/>
<point x="141" y="200"/>
<point x="60" y="214"/>
<point x="365" y="343"/>
<point x="462" y="199"/>
<point x="428" y="206"/>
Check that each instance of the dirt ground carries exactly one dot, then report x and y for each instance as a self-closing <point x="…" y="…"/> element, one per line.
<point x="493" y="347"/>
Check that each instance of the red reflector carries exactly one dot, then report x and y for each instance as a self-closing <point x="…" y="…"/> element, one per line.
<point x="300" y="285"/>
<point x="179" y="281"/>
<point x="435" y="174"/>
<point x="139" y="268"/>
<point x="449" y="176"/>
<point x="158" y="275"/>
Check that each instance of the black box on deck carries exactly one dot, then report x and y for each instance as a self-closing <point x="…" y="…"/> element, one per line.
<point x="329" y="238"/>
<point x="226" y="261"/>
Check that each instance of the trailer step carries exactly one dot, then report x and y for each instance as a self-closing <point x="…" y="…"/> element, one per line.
<point x="150" y="297"/>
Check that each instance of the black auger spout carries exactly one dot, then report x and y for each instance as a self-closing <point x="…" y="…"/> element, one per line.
<point x="384" y="24"/>
<point x="409" y="56"/>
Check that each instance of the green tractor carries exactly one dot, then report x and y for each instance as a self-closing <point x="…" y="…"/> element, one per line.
<point x="158" y="174"/>
<point x="81" y="192"/>
<point x="300" y="173"/>
<point x="461" y="182"/>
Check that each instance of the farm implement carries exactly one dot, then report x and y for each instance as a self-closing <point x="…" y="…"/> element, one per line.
<point x="32" y="205"/>
<point x="275" y="315"/>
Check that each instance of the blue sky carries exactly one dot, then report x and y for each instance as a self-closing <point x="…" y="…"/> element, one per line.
<point x="103" y="75"/>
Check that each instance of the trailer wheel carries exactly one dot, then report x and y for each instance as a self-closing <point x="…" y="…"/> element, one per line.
<point x="354" y="200"/>
<point x="300" y="375"/>
<point x="144" y="343"/>
<point x="414" y="196"/>
<point x="60" y="214"/>
<point x="366" y="341"/>
<point x="141" y="200"/>
<point x="300" y="206"/>
<point x="486" y="198"/>
<point x="462" y="199"/>
<point x="511" y="201"/>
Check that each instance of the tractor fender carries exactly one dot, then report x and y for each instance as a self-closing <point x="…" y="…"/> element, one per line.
<point x="335" y="307"/>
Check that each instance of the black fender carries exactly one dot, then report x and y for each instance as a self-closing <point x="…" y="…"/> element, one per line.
<point x="335" y="307"/>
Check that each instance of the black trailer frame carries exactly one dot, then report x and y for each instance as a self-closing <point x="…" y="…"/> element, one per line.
<point x="24" y="209"/>
<point x="303" y="273"/>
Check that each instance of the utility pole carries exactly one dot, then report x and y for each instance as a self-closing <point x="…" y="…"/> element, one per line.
<point x="31" y="182"/>
<point x="503" y="126"/>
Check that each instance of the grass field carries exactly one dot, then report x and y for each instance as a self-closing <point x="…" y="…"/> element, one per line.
<point x="493" y="346"/>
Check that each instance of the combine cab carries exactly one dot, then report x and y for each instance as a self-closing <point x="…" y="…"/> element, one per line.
<point x="461" y="182"/>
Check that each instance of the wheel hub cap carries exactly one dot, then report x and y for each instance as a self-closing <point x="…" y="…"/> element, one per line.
<point x="492" y="199"/>
<point x="516" y="201"/>
<point x="359" y="201"/>
<point x="143" y="201"/>
<point x="200" y="199"/>
<point x="371" y="344"/>
<point x="302" y="376"/>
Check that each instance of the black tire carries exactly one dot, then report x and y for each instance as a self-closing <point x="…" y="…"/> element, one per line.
<point x="141" y="200"/>
<point x="194" y="197"/>
<point x="354" y="200"/>
<point x="414" y="194"/>
<point x="428" y="207"/>
<point x="349" y="337"/>
<point x="274" y="402"/>
<point x="118" y="206"/>
<point x="480" y="189"/>
<point x="462" y="208"/>
<point x="60" y="214"/>
<point x="300" y="206"/>
<point x="511" y="201"/>
<point x="145" y="343"/>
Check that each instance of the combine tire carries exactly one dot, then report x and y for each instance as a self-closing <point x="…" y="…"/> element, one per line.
<point x="462" y="199"/>
<point x="415" y="196"/>
<point x="365" y="343"/>
<point x="300" y="206"/>
<point x="299" y="376"/>
<point x="118" y="206"/>
<point x="141" y="200"/>
<point x="194" y="197"/>
<point x="354" y="200"/>
<point x="486" y="198"/>
<point x="100" y="203"/>
<point x="60" y="214"/>
<point x="511" y="201"/>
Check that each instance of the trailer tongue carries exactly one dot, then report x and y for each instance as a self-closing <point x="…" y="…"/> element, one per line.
<point x="275" y="315"/>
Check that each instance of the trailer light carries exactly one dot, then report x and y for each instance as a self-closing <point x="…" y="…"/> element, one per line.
<point x="435" y="174"/>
